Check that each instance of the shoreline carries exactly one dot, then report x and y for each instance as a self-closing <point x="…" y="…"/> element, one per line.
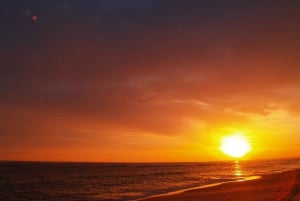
<point x="283" y="186"/>
<point x="209" y="185"/>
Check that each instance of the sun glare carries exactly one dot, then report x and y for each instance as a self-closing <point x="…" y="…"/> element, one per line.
<point x="235" y="145"/>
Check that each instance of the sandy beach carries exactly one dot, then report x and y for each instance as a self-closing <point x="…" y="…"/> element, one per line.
<point x="277" y="187"/>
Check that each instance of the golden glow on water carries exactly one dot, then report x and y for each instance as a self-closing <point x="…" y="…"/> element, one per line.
<point x="237" y="169"/>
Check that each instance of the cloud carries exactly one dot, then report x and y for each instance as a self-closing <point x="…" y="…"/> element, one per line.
<point x="118" y="5"/>
<point x="156" y="77"/>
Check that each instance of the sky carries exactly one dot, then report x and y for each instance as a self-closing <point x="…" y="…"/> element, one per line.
<point x="148" y="80"/>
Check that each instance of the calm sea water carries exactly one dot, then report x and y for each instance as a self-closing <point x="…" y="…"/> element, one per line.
<point x="98" y="181"/>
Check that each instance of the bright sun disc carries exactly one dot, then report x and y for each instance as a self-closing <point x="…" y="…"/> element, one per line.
<point x="235" y="145"/>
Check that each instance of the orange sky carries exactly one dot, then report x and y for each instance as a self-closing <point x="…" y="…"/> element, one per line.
<point x="150" y="82"/>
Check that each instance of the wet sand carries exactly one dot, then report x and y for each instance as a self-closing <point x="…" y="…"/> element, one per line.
<point x="277" y="187"/>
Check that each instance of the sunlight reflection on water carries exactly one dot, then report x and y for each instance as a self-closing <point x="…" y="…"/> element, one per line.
<point x="237" y="169"/>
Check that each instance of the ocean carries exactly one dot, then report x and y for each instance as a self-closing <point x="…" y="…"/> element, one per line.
<point x="29" y="181"/>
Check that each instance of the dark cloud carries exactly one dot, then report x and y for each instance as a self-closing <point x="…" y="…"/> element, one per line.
<point x="145" y="66"/>
<point x="117" y="5"/>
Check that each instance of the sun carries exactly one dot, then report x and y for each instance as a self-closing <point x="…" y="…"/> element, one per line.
<point x="235" y="145"/>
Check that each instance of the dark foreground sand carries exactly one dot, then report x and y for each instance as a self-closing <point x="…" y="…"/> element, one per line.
<point x="278" y="187"/>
